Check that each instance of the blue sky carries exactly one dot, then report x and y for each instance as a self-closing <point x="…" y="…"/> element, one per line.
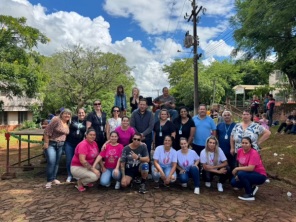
<point x="147" y="33"/>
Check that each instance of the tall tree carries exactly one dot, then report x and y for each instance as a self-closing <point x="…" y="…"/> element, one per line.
<point x="79" y="76"/>
<point x="19" y="64"/>
<point x="264" y="27"/>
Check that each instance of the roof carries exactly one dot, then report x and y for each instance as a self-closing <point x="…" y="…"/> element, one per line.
<point x="247" y="87"/>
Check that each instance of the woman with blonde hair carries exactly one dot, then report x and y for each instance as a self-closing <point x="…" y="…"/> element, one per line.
<point x="214" y="163"/>
<point x="54" y="138"/>
<point x="135" y="99"/>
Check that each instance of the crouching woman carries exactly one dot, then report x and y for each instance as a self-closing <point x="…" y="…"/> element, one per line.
<point x="250" y="171"/>
<point x="83" y="159"/>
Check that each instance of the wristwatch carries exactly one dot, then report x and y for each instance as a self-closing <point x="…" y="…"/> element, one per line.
<point x="138" y="157"/>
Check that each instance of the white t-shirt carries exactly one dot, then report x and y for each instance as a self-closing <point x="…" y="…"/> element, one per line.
<point x="165" y="158"/>
<point x="114" y="123"/>
<point x="210" y="160"/>
<point x="185" y="161"/>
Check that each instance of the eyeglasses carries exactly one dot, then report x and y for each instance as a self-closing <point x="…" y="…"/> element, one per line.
<point x="136" y="139"/>
<point x="97" y="104"/>
<point x="116" y="111"/>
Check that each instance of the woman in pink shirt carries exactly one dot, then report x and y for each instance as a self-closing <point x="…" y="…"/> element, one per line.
<point x="112" y="154"/>
<point x="250" y="171"/>
<point x="85" y="155"/>
<point x="125" y="132"/>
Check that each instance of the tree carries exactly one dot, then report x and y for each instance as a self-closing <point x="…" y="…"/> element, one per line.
<point x="267" y="27"/>
<point x="218" y="78"/>
<point x="79" y="76"/>
<point x="19" y="64"/>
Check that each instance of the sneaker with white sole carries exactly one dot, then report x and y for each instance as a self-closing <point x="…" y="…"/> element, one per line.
<point x="196" y="190"/>
<point x="254" y="190"/>
<point x="247" y="197"/>
<point x="48" y="185"/>
<point x="117" y="185"/>
<point x="69" y="179"/>
<point x="184" y="184"/>
<point x="220" y="187"/>
<point x="208" y="184"/>
<point x="56" y="182"/>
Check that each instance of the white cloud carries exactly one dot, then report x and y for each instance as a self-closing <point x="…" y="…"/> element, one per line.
<point x="217" y="48"/>
<point x="63" y="28"/>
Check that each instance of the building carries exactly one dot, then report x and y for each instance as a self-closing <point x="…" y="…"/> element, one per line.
<point x="15" y="111"/>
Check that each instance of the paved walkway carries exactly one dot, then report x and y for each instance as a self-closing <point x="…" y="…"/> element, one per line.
<point x="26" y="199"/>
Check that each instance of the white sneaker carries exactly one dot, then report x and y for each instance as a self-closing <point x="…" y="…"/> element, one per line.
<point x="184" y="184"/>
<point x="208" y="184"/>
<point x="69" y="179"/>
<point x="48" y="185"/>
<point x="117" y="185"/>
<point x="220" y="187"/>
<point x="56" y="182"/>
<point x="196" y="190"/>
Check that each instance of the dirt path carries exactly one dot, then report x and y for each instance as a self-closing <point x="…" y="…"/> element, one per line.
<point x="26" y="199"/>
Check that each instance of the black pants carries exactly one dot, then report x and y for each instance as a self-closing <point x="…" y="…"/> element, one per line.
<point x="287" y="127"/>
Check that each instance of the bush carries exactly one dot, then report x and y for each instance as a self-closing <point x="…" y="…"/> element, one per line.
<point x="28" y="125"/>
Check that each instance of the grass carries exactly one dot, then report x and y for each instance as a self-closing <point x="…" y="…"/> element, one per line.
<point x="279" y="155"/>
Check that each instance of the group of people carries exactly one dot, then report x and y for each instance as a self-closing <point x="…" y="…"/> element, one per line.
<point x="119" y="148"/>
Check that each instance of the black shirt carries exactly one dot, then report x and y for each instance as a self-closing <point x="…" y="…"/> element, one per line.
<point x="135" y="105"/>
<point x="98" y="123"/>
<point x="167" y="129"/>
<point x="77" y="131"/>
<point x="185" y="128"/>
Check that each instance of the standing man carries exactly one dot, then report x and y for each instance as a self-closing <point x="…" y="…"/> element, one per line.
<point x="205" y="127"/>
<point x="143" y="122"/>
<point x="270" y="109"/>
<point x="165" y="101"/>
<point x="135" y="160"/>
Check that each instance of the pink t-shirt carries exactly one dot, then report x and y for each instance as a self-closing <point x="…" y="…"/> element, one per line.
<point x="125" y="135"/>
<point x="251" y="158"/>
<point x="111" y="155"/>
<point x="90" y="150"/>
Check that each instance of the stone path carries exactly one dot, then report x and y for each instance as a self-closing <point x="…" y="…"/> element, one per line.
<point x="26" y="199"/>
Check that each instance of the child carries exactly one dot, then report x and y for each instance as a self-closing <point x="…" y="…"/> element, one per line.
<point x="264" y="121"/>
<point x="120" y="100"/>
<point x="256" y="118"/>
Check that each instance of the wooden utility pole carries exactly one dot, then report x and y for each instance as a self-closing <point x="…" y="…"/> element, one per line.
<point x="195" y="19"/>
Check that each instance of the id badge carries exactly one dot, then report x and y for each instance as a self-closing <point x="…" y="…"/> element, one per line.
<point x="180" y="132"/>
<point x="226" y="137"/>
<point x="102" y="128"/>
<point x="78" y="132"/>
<point x="160" y="134"/>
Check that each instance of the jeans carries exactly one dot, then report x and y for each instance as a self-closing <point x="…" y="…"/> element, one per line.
<point x="85" y="176"/>
<point x="173" y="114"/>
<point x="53" y="155"/>
<point x="108" y="175"/>
<point x="166" y="170"/>
<point x="247" y="180"/>
<point x="148" y="142"/>
<point x="69" y="150"/>
<point x="193" y="173"/>
<point x="269" y="115"/>
<point x="208" y="176"/>
<point x="293" y="129"/>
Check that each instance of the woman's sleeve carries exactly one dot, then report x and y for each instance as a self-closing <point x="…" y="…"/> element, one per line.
<point x="51" y="126"/>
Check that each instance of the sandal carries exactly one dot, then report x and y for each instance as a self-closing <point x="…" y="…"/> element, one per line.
<point x="56" y="182"/>
<point x="80" y="189"/>
<point x="90" y="185"/>
<point x="48" y="185"/>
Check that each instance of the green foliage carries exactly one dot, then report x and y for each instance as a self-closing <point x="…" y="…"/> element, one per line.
<point x="78" y="76"/>
<point x="261" y="91"/>
<point x="19" y="64"/>
<point x="28" y="125"/>
<point x="35" y="108"/>
<point x="267" y="27"/>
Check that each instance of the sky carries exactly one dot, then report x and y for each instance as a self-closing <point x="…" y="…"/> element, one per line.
<point x="149" y="34"/>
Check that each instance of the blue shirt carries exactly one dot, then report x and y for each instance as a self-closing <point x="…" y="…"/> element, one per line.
<point x="223" y="135"/>
<point x="204" y="128"/>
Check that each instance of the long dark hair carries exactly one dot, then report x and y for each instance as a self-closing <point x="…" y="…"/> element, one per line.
<point x="122" y="92"/>
<point x="179" y="119"/>
<point x="249" y="139"/>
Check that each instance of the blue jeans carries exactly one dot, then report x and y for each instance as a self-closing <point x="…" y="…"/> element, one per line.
<point x="69" y="150"/>
<point x="247" y="180"/>
<point x="193" y="173"/>
<point x="108" y="175"/>
<point x="173" y="114"/>
<point x="53" y="155"/>
<point x="166" y="170"/>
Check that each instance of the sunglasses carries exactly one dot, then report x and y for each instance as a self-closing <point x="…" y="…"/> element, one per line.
<point x="97" y="104"/>
<point x="136" y="139"/>
<point x="116" y="111"/>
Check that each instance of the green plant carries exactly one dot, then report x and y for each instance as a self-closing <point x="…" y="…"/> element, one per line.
<point x="28" y="125"/>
